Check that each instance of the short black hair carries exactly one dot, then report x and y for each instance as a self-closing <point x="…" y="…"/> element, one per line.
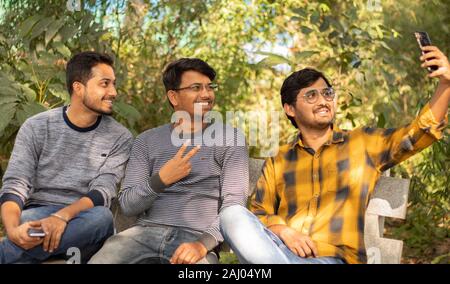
<point x="297" y="81"/>
<point x="173" y="72"/>
<point x="79" y="67"/>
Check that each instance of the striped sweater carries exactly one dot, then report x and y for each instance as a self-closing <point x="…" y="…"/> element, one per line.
<point x="219" y="178"/>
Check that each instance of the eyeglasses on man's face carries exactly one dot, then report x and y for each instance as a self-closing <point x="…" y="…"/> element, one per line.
<point x="312" y="95"/>
<point x="197" y="87"/>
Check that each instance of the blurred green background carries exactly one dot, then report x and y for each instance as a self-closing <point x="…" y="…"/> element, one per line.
<point x="366" y="47"/>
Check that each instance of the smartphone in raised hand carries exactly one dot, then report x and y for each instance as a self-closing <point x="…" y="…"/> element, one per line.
<point x="424" y="40"/>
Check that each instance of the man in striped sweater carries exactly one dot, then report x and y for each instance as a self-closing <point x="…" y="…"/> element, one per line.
<point x="180" y="176"/>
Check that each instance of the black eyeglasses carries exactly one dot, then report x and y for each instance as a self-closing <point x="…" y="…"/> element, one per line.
<point x="197" y="88"/>
<point x="312" y="95"/>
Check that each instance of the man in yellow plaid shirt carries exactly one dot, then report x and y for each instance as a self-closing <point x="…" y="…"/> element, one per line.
<point x="310" y="201"/>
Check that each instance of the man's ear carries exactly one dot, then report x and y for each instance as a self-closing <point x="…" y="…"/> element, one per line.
<point x="289" y="110"/>
<point x="77" y="88"/>
<point x="172" y="96"/>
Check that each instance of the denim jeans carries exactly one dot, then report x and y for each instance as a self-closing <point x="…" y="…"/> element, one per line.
<point x="253" y="243"/>
<point x="146" y="244"/>
<point x="87" y="232"/>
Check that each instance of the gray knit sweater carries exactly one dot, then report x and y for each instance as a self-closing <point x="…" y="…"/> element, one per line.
<point x="54" y="162"/>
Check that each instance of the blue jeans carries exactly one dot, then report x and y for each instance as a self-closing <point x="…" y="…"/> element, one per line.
<point x="253" y="243"/>
<point x="146" y="244"/>
<point x="87" y="232"/>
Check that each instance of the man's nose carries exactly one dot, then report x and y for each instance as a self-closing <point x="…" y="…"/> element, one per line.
<point x="112" y="91"/>
<point x="204" y="94"/>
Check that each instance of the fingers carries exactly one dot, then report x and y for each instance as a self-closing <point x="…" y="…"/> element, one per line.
<point x="176" y="255"/>
<point x="192" y="259"/>
<point x="54" y="243"/>
<point x="34" y="224"/>
<point x="184" y="257"/>
<point x="298" y="251"/>
<point x="439" y="72"/>
<point x="430" y="48"/>
<point x="313" y="247"/>
<point x="47" y="239"/>
<point x="436" y="62"/>
<point x="306" y="250"/>
<point x="431" y="55"/>
<point x="191" y="153"/>
<point x="180" y="152"/>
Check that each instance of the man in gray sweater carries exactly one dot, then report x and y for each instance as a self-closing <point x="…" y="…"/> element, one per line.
<point x="180" y="176"/>
<point x="64" y="170"/>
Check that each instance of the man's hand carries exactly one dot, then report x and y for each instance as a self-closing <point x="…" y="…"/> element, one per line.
<point x="53" y="228"/>
<point x="299" y="244"/>
<point x="189" y="253"/>
<point x="440" y="60"/>
<point x="19" y="235"/>
<point x="178" y="167"/>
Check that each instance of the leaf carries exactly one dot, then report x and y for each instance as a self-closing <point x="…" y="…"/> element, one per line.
<point x="28" y="92"/>
<point x="8" y="99"/>
<point x="40" y="27"/>
<point x="301" y="12"/>
<point x="8" y="91"/>
<point x="381" y="120"/>
<point x="68" y="32"/>
<point x="52" y="29"/>
<point x="325" y="25"/>
<point x="359" y="77"/>
<point x="336" y="24"/>
<point x="305" y="54"/>
<point x="7" y="111"/>
<point x="356" y="61"/>
<point x="333" y="34"/>
<point x="315" y="17"/>
<point x="127" y="111"/>
<point x="59" y="92"/>
<point x="61" y="48"/>
<point x="28" y="110"/>
<point x="306" y="30"/>
<point x="28" y="24"/>
<point x="272" y="59"/>
<point x="385" y="45"/>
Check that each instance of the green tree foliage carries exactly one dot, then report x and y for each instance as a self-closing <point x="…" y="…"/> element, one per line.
<point x="365" y="47"/>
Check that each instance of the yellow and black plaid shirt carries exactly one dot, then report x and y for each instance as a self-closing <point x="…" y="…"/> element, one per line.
<point x="324" y="194"/>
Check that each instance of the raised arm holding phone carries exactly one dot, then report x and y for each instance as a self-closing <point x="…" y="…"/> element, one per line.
<point x="310" y="201"/>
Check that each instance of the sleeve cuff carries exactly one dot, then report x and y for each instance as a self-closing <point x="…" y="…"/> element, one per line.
<point x="96" y="197"/>
<point x="274" y="220"/>
<point x="11" y="197"/>
<point x="156" y="183"/>
<point x="428" y="123"/>
<point x="208" y="241"/>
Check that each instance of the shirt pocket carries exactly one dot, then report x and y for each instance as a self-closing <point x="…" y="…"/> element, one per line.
<point x="330" y="179"/>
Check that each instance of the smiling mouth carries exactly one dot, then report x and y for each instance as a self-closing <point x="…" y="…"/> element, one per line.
<point x="322" y="111"/>
<point x="109" y="102"/>
<point x="204" y="104"/>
